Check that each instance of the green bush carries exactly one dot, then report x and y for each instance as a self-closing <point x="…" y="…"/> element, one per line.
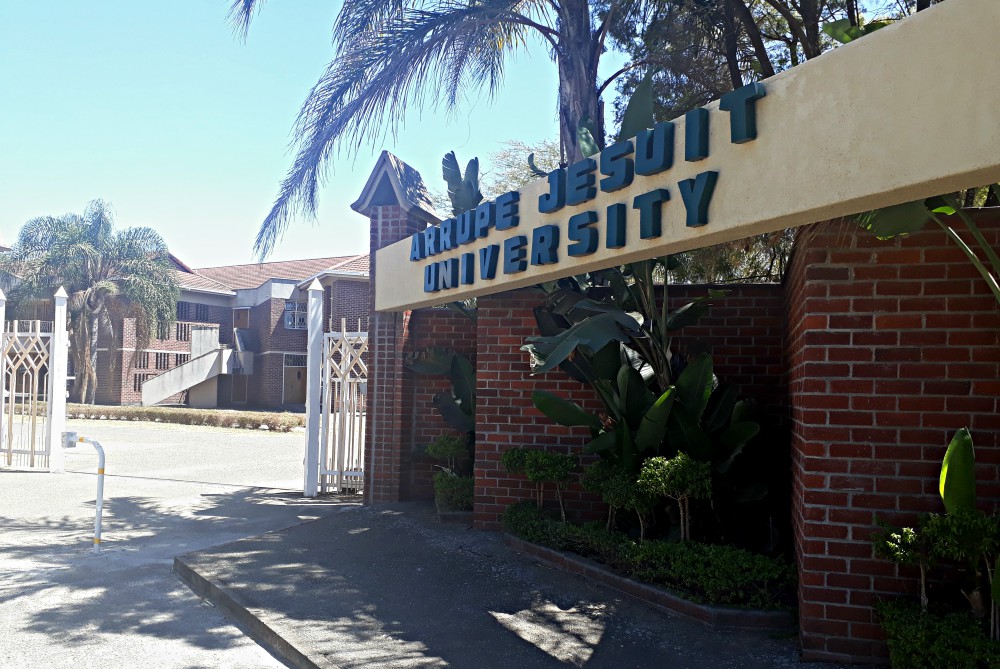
<point x="719" y="575"/>
<point x="931" y="641"/>
<point x="448" y="448"/>
<point x="514" y="459"/>
<point x="453" y="493"/>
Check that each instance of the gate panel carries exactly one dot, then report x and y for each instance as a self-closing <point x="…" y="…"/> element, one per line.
<point x="25" y="352"/>
<point x="345" y="381"/>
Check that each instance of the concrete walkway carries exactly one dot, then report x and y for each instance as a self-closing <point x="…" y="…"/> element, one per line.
<point x="395" y="588"/>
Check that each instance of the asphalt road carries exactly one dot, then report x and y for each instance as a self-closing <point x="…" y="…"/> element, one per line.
<point x="169" y="489"/>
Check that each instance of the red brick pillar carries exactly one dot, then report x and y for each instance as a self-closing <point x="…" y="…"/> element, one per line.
<point x="387" y="334"/>
<point x="892" y="346"/>
<point x="396" y="203"/>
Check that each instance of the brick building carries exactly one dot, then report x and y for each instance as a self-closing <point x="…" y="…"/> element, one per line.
<point x="240" y="335"/>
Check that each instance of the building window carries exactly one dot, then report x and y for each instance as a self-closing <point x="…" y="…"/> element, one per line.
<point x="295" y="315"/>
<point x="295" y="360"/>
<point x="183" y="331"/>
<point x="181" y="358"/>
<point x="142" y="360"/>
<point x="139" y="379"/>
<point x="188" y="311"/>
<point x="163" y="361"/>
<point x="163" y="331"/>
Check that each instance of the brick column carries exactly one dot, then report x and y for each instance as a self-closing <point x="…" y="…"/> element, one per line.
<point x="387" y="334"/>
<point x="892" y="346"/>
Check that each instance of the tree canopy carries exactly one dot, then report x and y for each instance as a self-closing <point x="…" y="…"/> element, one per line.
<point x="105" y="271"/>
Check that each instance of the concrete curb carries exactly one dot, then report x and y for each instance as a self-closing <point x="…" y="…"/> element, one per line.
<point x="206" y="585"/>
<point x="715" y="617"/>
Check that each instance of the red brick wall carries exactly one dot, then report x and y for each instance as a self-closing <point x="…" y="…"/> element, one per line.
<point x="505" y="415"/>
<point x="892" y="346"/>
<point x="428" y="327"/>
<point x="347" y="299"/>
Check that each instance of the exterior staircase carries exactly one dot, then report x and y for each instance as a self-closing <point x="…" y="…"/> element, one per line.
<point x="199" y="375"/>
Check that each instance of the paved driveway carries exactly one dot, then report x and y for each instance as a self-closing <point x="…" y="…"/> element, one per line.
<point x="169" y="489"/>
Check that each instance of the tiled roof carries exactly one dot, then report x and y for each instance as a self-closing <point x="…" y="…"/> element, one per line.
<point x="355" y="264"/>
<point x="252" y="276"/>
<point x="197" y="282"/>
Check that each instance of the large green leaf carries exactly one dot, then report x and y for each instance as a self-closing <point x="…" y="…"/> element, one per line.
<point x="639" y="110"/>
<point x="563" y="411"/>
<point x="900" y="219"/>
<point x="594" y="333"/>
<point x="452" y="413"/>
<point x="434" y="360"/>
<point x="607" y="361"/>
<point x="602" y="443"/>
<point x="585" y="138"/>
<point x="654" y="422"/>
<point x="684" y="434"/>
<point x="958" y="474"/>
<point x="463" y="382"/>
<point x="633" y="394"/>
<point x="720" y="409"/>
<point x="694" y="386"/>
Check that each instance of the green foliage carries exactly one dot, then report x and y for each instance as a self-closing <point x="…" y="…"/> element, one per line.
<point x="958" y="474"/>
<point x="842" y="30"/>
<point x="514" y="460"/>
<point x="678" y="478"/>
<point x="453" y="493"/>
<point x="920" y="640"/>
<point x="906" y="546"/>
<point x="448" y="448"/>
<point x="548" y="467"/>
<point x="457" y="406"/>
<point x="720" y="575"/>
<point x="965" y="535"/>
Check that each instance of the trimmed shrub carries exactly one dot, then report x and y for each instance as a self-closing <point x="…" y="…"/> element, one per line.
<point x="931" y="641"/>
<point x="248" y="420"/>
<point x="719" y="575"/>
<point x="453" y="493"/>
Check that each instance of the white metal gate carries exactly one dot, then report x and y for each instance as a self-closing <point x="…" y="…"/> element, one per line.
<point x="25" y="352"/>
<point x="342" y="436"/>
<point x="33" y="362"/>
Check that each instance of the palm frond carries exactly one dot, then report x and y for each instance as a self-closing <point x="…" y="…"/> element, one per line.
<point x="391" y="57"/>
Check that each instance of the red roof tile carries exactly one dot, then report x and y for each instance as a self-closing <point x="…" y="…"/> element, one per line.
<point x="252" y="276"/>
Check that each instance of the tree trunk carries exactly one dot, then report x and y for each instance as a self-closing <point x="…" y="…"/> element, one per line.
<point x="577" y="79"/>
<point x="810" y="24"/>
<point x="742" y="13"/>
<point x="731" y="45"/>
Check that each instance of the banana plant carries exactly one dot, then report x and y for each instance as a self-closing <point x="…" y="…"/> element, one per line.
<point x="457" y="406"/>
<point x="635" y="424"/>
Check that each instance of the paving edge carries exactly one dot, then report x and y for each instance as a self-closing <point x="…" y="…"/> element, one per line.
<point x="715" y="617"/>
<point x="234" y="607"/>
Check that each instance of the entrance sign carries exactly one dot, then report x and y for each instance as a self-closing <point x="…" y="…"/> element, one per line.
<point x="909" y="112"/>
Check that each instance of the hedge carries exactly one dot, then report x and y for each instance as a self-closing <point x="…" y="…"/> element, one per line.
<point x="250" y="420"/>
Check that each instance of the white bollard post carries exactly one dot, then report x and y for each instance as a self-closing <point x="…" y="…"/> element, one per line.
<point x="58" y="363"/>
<point x="314" y="412"/>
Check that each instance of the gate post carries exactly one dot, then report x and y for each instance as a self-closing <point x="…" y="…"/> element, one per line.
<point x="58" y="352"/>
<point x="314" y="410"/>
<point x="3" y="368"/>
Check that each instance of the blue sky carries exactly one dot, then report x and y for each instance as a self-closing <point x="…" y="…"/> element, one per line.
<point x="158" y="109"/>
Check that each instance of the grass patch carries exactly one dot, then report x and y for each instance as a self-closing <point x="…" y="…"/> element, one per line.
<point x="704" y="573"/>
<point x="247" y="420"/>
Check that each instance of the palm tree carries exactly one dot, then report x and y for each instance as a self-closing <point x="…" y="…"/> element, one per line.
<point x="389" y="55"/>
<point x="126" y="273"/>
